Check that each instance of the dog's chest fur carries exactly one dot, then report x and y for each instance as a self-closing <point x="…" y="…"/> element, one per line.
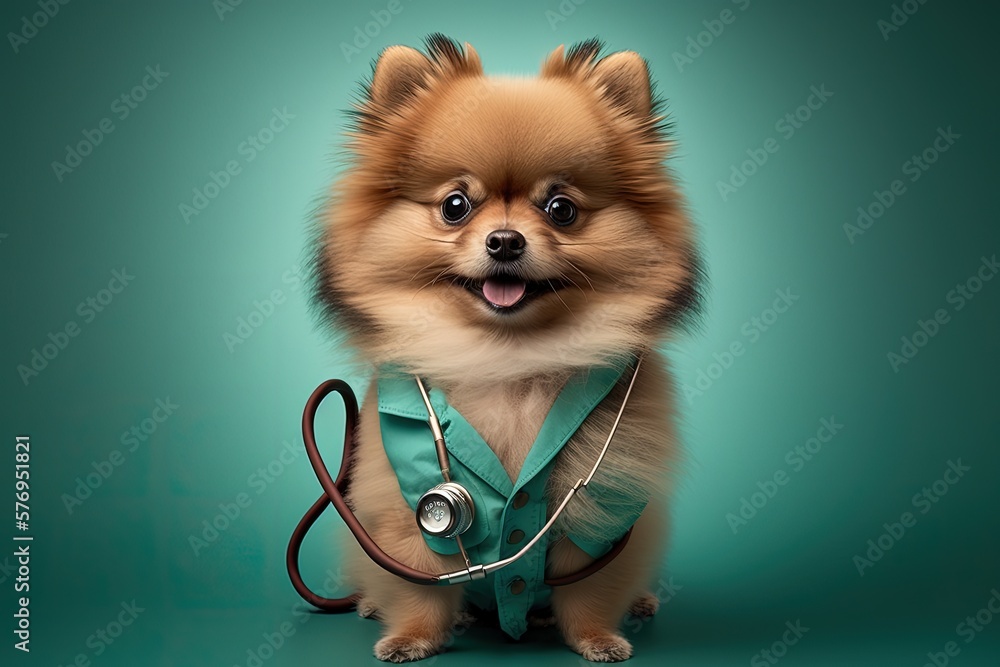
<point x="507" y="415"/>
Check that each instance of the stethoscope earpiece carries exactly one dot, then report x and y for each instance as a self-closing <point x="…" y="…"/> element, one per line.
<point x="446" y="510"/>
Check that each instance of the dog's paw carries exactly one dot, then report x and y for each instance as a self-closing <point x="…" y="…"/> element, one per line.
<point x="541" y="620"/>
<point x="644" y="606"/>
<point x="463" y="619"/>
<point x="367" y="608"/>
<point x="403" y="649"/>
<point x="605" y="648"/>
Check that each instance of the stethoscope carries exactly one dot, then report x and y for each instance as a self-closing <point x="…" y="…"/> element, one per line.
<point x="446" y="511"/>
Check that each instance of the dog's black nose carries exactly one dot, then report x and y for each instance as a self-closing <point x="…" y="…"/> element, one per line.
<point x="505" y="245"/>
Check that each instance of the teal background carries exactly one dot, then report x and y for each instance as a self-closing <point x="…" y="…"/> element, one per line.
<point x="163" y="336"/>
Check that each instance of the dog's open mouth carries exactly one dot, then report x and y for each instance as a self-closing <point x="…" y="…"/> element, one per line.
<point x="509" y="293"/>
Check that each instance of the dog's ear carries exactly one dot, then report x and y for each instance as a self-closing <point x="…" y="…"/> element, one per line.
<point x="623" y="79"/>
<point x="399" y="73"/>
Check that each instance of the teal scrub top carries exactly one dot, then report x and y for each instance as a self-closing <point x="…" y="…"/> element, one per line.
<point x="508" y="514"/>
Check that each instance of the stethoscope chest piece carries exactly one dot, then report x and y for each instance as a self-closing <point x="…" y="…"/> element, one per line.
<point x="445" y="511"/>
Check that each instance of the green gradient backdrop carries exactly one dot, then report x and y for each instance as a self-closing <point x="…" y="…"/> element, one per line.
<point x="163" y="336"/>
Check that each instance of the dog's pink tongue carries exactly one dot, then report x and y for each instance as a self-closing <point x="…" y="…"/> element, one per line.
<point x="503" y="294"/>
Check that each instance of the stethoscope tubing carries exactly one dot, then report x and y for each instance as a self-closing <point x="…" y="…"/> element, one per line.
<point x="333" y="493"/>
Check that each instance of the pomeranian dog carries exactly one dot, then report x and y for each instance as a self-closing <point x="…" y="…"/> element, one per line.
<point x="495" y="236"/>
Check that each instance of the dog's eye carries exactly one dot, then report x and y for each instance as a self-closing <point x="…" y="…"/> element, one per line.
<point x="561" y="211"/>
<point x="455" y="207"/>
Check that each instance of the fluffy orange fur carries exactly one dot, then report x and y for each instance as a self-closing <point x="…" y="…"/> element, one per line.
<point x="398" y="280"/>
